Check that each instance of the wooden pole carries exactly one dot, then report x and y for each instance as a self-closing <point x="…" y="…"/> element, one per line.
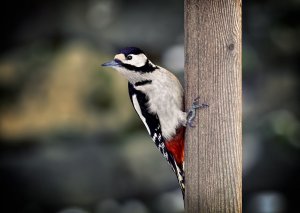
<point x="213" y="149"/>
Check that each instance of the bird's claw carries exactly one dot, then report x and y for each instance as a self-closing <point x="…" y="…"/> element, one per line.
<point x="192" y="112"/>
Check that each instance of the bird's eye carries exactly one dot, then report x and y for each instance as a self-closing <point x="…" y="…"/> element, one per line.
<point x="129" y="57"/>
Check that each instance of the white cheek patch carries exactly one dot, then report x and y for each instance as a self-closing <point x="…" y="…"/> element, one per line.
<point x="137" y="60"/>
<point x="139" y="112"/>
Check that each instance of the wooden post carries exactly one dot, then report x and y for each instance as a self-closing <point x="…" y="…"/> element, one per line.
<point x="213" y="149"/>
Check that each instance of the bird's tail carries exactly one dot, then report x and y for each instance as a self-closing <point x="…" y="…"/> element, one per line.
<point x="181" y="180"/>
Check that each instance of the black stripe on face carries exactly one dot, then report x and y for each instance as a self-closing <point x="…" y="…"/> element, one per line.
<point x="144" y="69"/>
<point x="141" y="83"/>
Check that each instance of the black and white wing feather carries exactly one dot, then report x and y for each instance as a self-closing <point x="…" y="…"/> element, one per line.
<point x="151" y="121"/>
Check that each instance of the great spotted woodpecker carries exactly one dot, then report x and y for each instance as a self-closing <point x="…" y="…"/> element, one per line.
<point x="157" y="97"/>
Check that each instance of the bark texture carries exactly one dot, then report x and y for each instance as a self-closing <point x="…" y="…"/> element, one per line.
<point x="213" y="149"/>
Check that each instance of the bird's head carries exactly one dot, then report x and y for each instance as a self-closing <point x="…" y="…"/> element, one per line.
<point x="132" y="63"/>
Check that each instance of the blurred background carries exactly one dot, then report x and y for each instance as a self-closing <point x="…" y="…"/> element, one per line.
<point x="70" y="140"/>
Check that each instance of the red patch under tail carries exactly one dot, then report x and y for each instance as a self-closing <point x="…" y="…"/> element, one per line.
<point x="176" y="146"/>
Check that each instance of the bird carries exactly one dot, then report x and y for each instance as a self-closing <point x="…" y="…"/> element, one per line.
<point x="157" y="96"/>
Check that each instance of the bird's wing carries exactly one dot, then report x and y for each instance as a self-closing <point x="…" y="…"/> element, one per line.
<point x="151" y="121"/>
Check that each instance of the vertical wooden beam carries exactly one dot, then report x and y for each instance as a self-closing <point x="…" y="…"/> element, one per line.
<point x="213" y="149"/>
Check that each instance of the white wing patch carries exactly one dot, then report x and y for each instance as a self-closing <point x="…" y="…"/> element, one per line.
<point x="139" y="112"/>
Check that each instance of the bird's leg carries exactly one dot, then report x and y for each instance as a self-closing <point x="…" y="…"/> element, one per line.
<point x="192" y="112"/>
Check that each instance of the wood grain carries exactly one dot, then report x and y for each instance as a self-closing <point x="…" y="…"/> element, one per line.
<point x="213" y="150"/>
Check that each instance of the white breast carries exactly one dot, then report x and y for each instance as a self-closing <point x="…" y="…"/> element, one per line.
<point x="165" y="99"/>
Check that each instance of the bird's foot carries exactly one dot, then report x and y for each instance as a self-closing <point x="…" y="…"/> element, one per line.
<point x="192" y="112"/>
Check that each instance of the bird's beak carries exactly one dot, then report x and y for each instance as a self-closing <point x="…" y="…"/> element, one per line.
<point x="113" y="63"/>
